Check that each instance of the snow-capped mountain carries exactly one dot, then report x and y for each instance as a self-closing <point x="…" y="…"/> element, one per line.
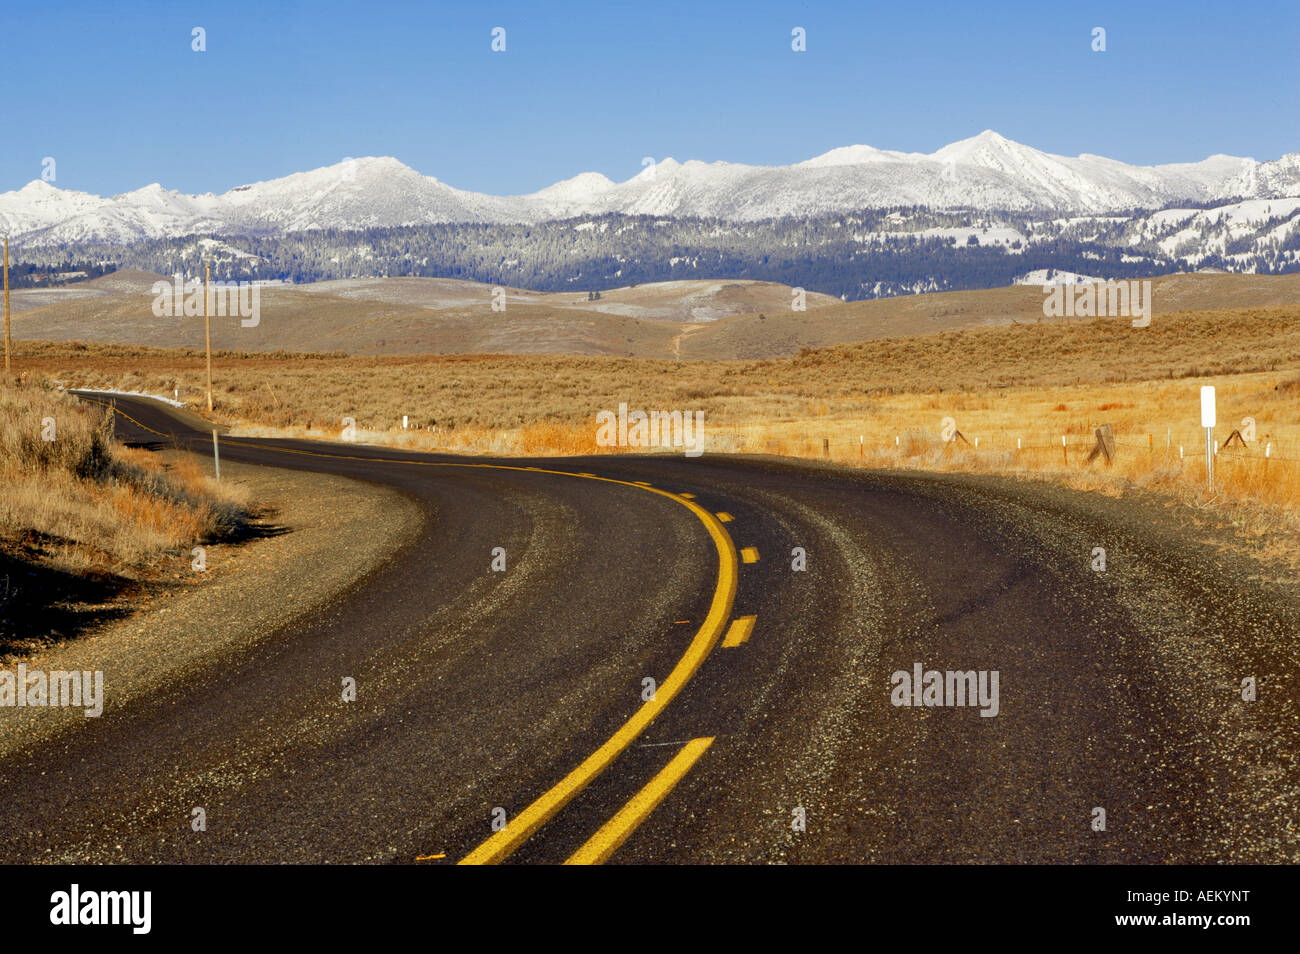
<point x="986" y="171"/>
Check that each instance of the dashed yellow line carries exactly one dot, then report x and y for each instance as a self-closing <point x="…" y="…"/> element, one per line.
<point x="615" y="831"/>
<point x="686" y="495"/>
<point x="499" y="845"/>
<point x="749" y="554"/>
<point x="739" y="631"/>
<point x="429" y="857"/>
<point x="725" y="517"/>
<point x="503" y="842"/>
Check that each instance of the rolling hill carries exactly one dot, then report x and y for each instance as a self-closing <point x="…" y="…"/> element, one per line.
<point x="685" y="320"/>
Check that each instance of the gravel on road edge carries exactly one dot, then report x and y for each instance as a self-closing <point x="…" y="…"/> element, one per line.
<point x="338" y="531"/>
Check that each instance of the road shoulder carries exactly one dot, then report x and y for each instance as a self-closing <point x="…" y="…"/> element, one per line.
<point x="338" y="531"/>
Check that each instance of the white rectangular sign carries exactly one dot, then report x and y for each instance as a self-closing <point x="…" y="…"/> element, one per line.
<point x="1207" y="405"/>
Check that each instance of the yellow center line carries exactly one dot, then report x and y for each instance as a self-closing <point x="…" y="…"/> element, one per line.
<point x="501" y="843"/>
<point x="749" y="554"/>
<point x="614" y="832"/>
<point x="686" y="495"/>
<point x="739" y="631"/>
<point x="724" y="516"/>
<point x="429" y="857"/>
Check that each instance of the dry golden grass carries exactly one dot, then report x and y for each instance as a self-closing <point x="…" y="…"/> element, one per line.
<point x="876" y="403"/>
<point x="80" y="501"/>
<point x="498" y="393"/>
<point x="1019" y="431"/>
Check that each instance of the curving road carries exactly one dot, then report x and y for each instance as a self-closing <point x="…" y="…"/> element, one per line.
<point x="523" y="690"/>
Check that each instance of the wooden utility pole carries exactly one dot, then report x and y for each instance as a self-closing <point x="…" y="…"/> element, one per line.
<point x="207" y="330"/>
<point x="6" y="307"/>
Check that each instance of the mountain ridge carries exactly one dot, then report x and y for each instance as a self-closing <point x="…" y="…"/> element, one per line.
<point x="985" y="171"/>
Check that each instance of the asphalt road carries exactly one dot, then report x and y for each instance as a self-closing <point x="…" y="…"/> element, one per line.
<point x="522" y="690"/>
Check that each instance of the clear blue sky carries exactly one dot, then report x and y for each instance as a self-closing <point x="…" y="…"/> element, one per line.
<point x="112" y="90"/>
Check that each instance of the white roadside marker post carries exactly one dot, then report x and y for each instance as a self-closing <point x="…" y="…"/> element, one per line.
<point x="216" y="456"/>
<point x="1207" y="422"/>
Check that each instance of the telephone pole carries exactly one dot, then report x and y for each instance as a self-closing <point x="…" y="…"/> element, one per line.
<point x="6" y="308"/>
<point x="207" y="329"/>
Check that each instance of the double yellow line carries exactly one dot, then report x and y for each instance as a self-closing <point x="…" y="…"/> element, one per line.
<point x="615" y="831"/>
<point x="501" y="843"/>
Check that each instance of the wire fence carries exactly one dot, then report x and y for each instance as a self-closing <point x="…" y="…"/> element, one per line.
<point x="1072" y="447"/>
